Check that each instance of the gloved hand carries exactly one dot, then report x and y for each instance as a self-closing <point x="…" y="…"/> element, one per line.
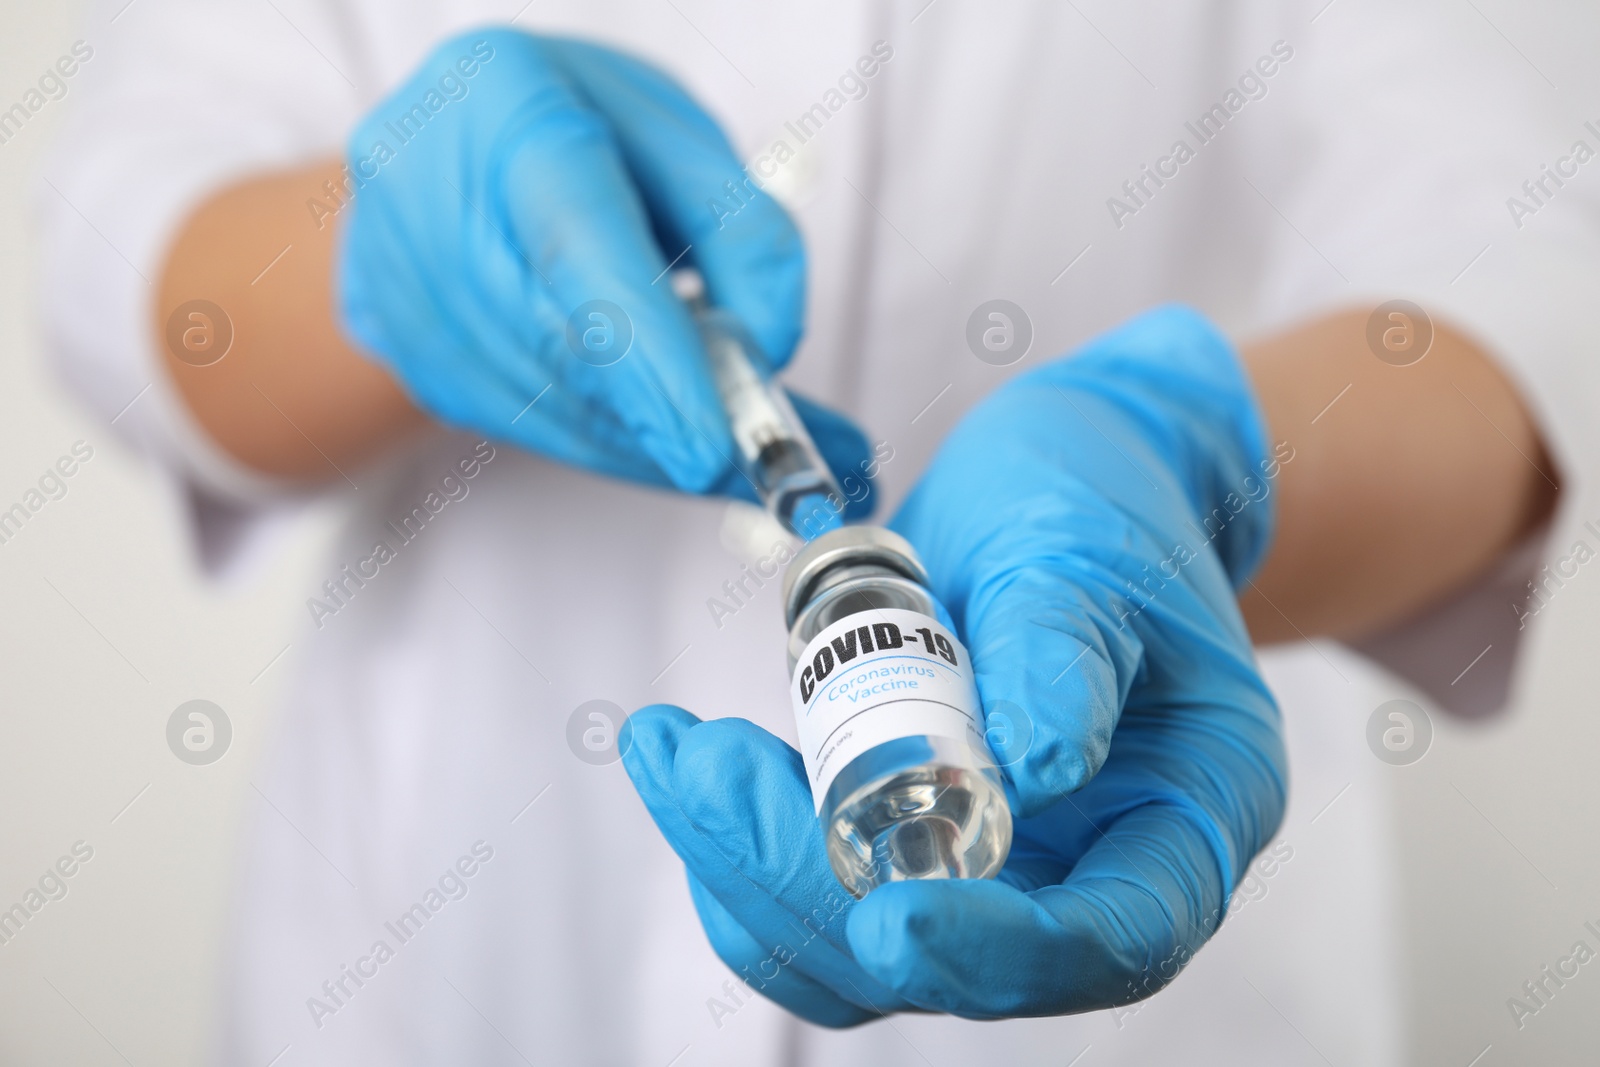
<point x="515" y="180"/>
<point x="1087" y="526"/>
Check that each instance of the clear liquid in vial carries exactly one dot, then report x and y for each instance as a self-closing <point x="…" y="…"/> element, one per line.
<point x="912" y="806"/>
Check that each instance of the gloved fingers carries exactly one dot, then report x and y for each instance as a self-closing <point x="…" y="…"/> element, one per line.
<point x="698" y="195"/>
<point x="1052" y="670"/>
<point x="531" y="410"/>
<point x="766" y="970"/>
<point x="393" y="305"/>
<point x="649" y="742"/>
<point x="1138" y="904"/>
<point x="511" y="237"/>
<point x="846" y="451"/>
<point x="452" y="348"/>
<point x="577" y="430"/>
<point x="588" y="277"/>
<point x="732" y="801"/>
<point x="1036" y="600"/>
<point x="745" y="791"/>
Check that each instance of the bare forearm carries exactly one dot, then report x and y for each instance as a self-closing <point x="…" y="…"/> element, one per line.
<point x="1406" y="482"/>
<point x="290" y="398"/>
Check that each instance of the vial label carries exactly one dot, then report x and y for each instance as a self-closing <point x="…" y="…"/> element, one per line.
<point x="877" y="676"/>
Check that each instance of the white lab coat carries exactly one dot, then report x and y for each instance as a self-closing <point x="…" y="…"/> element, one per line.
<point x="987" y="158"/>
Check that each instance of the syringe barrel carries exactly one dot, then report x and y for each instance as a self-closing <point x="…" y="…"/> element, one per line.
<point x="780" y="459"/>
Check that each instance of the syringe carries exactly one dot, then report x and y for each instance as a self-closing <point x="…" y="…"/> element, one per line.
<point x="780" y="458"/>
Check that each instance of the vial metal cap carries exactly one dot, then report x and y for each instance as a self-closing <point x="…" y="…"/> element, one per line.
<point x="846" y="546"/>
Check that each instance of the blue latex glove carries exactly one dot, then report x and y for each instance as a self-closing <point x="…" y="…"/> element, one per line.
<point x="519" y="178"/>
<point x="1144" y="753"/>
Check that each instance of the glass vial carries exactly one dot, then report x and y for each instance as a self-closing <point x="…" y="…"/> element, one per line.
<point x="891" y="728"/>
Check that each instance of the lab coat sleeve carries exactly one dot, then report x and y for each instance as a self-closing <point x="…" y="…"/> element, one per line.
<point x="1395" y="154"/>
<point x="176" y="100"/>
